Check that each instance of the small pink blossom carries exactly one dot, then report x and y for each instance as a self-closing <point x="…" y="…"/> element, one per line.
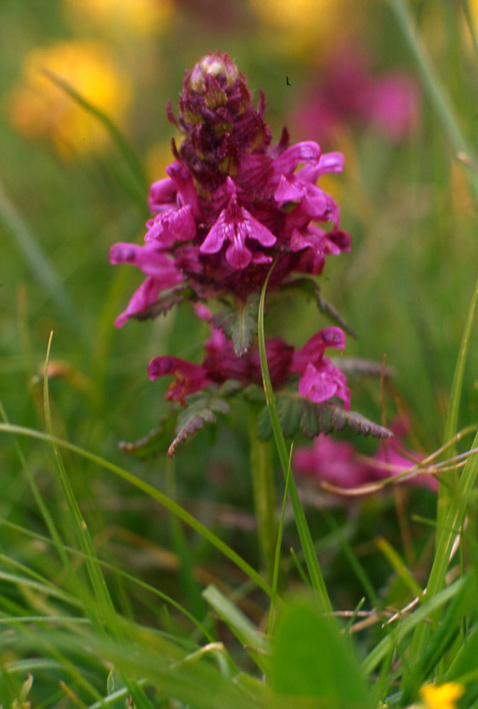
<point x="347" y="91"/>
<point x="234" y="225"/>
<point x="338" y="463"/>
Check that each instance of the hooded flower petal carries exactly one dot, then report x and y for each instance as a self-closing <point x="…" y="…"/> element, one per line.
<point x="287" y="162"/>
<point x="162" y="196"/>
<point x="150" y="260"/>
<point x="171" y="226"/>
<point x="314" y="348"/>
<point x="188" y="377"/>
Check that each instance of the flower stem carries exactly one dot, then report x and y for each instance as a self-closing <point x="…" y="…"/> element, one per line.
<point x="264" y="495"/>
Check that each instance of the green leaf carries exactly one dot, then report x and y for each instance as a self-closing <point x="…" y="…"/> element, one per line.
<point x="239" y="323"/>
<point x="156" y="441"/>
<point x="201" y="409"/>
<point x="239" y="624"/>
<point x="313" y="566"/>
<point x="311" y="659"/>
<point x="300" y="414"/>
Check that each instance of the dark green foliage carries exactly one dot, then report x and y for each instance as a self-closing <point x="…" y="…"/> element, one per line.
<point x="299" y="414"/>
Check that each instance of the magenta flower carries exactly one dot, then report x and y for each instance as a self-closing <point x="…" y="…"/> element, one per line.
<point x="349" y="92"/>
<point x="234" y="225"/>
<point x="339" y="464"/>
<point x="330" y="461"/>
<point x="320" y="380"/>
<point x="232" y="203"/>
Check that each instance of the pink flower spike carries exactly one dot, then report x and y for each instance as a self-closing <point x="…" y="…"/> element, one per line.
<point x="188" y="377"/>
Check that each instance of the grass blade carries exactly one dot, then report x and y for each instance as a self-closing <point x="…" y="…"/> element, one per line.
<point x="152" y="492"/>
<point x="36" y="259"/>
<point x="315" y="573"/>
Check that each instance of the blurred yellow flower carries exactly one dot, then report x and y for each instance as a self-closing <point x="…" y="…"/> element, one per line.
<point x="121" y="17"/>
<point x="158" y="158"/>
<point x="444" y="696"/>
<point x="299" y="26"/>
<point x="38" y="108"/>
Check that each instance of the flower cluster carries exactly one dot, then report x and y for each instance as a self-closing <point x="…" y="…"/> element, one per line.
<point x="337" y="466"/>
<point x="233" y="204"/>
<point x="349" y="93"/>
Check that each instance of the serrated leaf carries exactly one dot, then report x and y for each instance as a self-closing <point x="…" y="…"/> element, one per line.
<point x="201" y="409"/>
<point x="308" y="419"/>
<point x="239" y="323"/>
<point x="297" y="413"/>
<point x="337" y="418"/>
<point x="163" y="305"/>
<point x="156" y="441"/>
<point x="310" y="289"/>
<point x="289" y="414"/>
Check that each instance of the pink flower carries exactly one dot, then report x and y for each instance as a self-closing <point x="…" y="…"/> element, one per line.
<point x="161" y="272"/>
<point x="331" y="461"/>
<point x="347" y="91"/>
<point x="338" y="463"/>
<point x="231" y="204"/>
<point x="320" y="380"/>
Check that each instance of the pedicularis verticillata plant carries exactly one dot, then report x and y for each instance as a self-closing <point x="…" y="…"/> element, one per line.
<point x="234" y="204"/>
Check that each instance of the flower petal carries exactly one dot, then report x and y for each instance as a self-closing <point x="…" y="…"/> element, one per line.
<point x="188" y="377"/>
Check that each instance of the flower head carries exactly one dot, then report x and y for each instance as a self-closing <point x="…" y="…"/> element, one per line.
<point x="232" y="203"/>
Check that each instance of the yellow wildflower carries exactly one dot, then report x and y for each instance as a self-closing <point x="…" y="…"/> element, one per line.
<point x="38" y="108"/>
<point x="138" y="18"/>
<point x="299" y="26"/>
<point x="444" y="696"/>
